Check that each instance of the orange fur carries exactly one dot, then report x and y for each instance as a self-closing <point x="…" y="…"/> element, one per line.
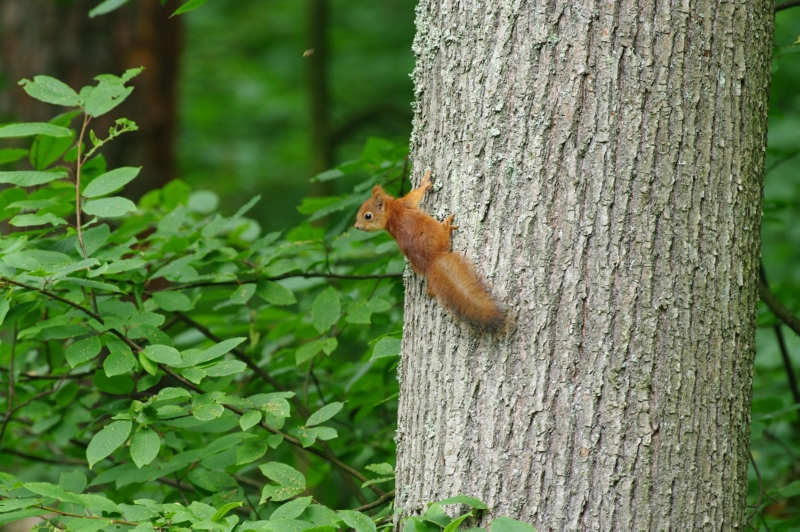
<point x="426" y="243"/>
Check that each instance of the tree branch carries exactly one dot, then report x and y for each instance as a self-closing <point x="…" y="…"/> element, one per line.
<point x="787" y="362"/>
<point x="777" y="308"/>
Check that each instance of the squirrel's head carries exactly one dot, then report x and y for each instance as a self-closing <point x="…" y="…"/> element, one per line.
<point x="372" y="214"/>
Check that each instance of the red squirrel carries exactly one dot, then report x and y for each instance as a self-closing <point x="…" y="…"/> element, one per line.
<point x="426" y="244"/>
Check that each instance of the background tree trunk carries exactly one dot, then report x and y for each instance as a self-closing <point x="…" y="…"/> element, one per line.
<point x="605" y="163"/>
<point x="57" y="38"/>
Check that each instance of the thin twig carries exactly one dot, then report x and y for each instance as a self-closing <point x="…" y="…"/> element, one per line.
<point x="310" y="275"/>
<point x="760" y="487"/>
<point x="241" y="355"/>
<point x="787" y="362"/>
<point x="289" y="439"/>
<point x="777" y="308"/>
<point x="386" y="497"/>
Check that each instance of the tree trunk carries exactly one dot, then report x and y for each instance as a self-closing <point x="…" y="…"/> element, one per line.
<point x="604" y="162"/>
<point x="57" y="38"/>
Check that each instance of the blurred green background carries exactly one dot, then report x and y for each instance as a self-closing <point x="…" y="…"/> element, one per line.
<point x="234" y="100"/>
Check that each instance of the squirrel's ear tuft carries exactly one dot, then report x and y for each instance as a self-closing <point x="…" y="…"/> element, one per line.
<point x="378" y="198"/>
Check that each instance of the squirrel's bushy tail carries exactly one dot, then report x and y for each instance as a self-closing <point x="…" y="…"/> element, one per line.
<point x="453" y="280"/>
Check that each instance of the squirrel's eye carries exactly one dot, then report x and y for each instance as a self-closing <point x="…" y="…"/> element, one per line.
<point x="368" y="216"/>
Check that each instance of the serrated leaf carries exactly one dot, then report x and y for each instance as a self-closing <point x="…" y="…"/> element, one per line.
<point x="250" y="451"/>
<point x="107" y="440"/>
<point x="275" y="293"/>
<point x="324" y="414"/>
<point x="358" y="521"/>
<point x="51" y="90"/>
<point x="163" y="354"/>
<point x="326" y="309"/>
<point x="30" y="178"/>
<point x="145" y="445"/>
<point x="29" y="129"/>
<point x="386" y="347"/>
<point x="109" y="207"/>
<point x="506" y="524"/>
<point x="82" y="351"/>
<point x="111" y="181"/>
<point x="106" y="7"/>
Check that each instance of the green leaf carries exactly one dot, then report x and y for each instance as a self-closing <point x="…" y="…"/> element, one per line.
<point x="291" y="509"/>
<point x="291" y="481"/>
<point x="275" y="293"/>
<point x="172" y="301"/>
<point x="10" y="505"/>
<point x="453" y="526"/>
<point x="791" y="490"/>
<point x="207" y="412"/>
<point x="506" y="524"/>
<point x="82" y="350"/>
<point x="111" y="181"/>
<point x="211" y="480"/>
<point x="11" y="155"/>
<point x="250" y="451"/>
<point x="163" y="354"/>
<point x="46" y="150"/>
<point x="324" y="414"/>
<point x="359" y="312"/>
<point x="30" y="178"/>
<point x="74" y="481"/>
<point x="106" y="96"/>
<point x="107" y="440"/>
<point x="145" y="444"/>
<point x="225" y="368"/>
<point x="358" y="521"/>
<point x="4" y="306"/>
<point x="51" y="90"/>
<point x="191" y="5"/>
<point x="29" y="129"/>
<point x="32" y="220"/>
<point x="106" y="7"/>
<point x="109" y="207"/>
<point x="224" y="509"/>
<point x="415" y="524"/>
<point x="308" y="351"/>
<point x="94" y="238"/>
<point x="243" y="293"/>
<point x="326" y="309"/>
<point x="120" y="359"/>
<point x="217" y="350"/>
<point x="385" y="469"/>
<point x="250" y="419"/>
<point x="22" y="514"/>
<point x="463" y="499"/>
<point x="386" y="347"/>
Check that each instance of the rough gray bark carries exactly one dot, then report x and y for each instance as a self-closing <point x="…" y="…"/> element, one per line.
<point x="604" y="161"/>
